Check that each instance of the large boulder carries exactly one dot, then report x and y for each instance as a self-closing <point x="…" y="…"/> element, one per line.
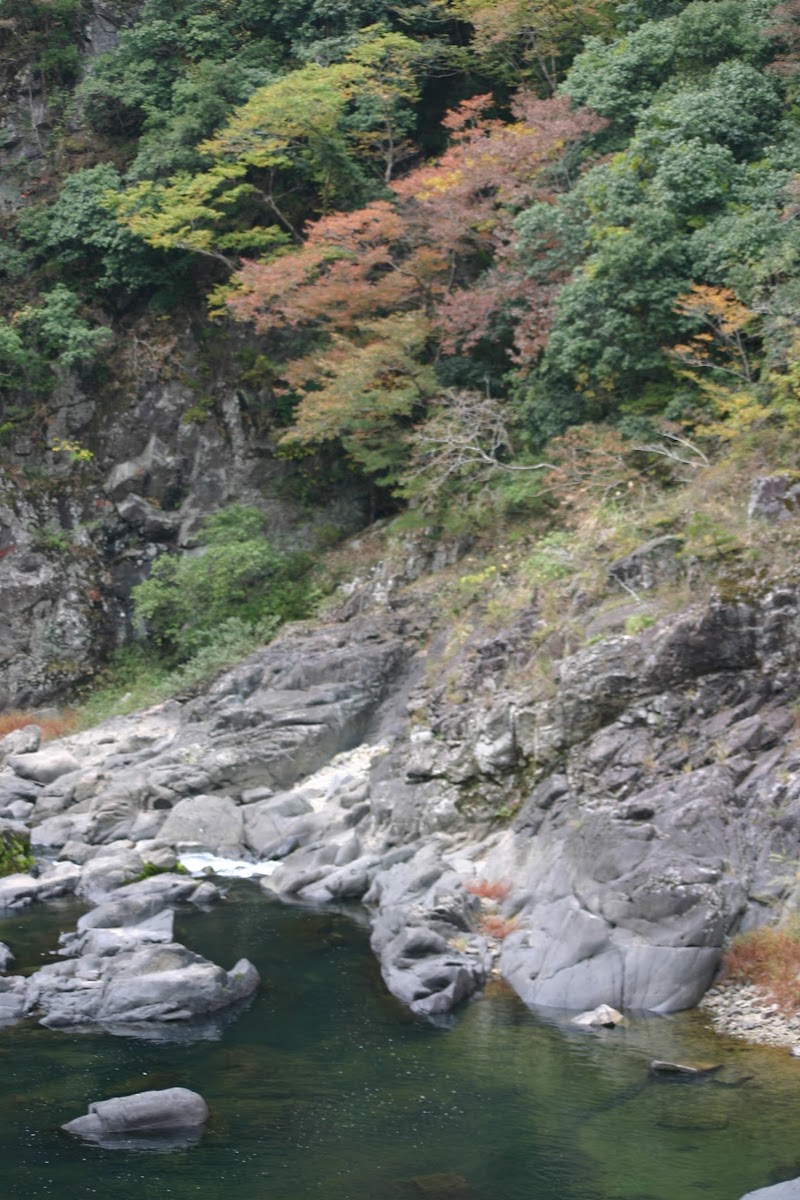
<point x="44" y="766"/>
<point x="154" y="983"/>
<point x="212" y="823"/>
<point x="20" y="890"/>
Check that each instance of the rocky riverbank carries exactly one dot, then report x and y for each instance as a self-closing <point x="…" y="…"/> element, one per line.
<point x="748" y="1012"/>
<point x="596" y="838"/>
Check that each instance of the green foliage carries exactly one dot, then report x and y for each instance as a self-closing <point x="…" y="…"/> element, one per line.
<point x="14" y="855"/>
<point x="188" y="602"/>
<point x="695" y="194"/>
<point x="45" y="336"/>
<point x="550" y="560"/>
<point x="638" y="622"/>
<point x="620" y="79"/>
<point x="149" y="869"/>
<point x="46" y="34"/>
<point x="79" y="232"/>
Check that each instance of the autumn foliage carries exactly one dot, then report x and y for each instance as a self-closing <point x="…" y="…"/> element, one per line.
<point x="419" y="276"/>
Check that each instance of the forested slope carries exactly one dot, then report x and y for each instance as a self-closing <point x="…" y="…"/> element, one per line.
<point x="458" y="256"/>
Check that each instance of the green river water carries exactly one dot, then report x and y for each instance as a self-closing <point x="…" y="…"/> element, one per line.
<point x="326" y="1088"/>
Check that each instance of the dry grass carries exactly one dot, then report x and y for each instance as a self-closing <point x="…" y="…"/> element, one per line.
<point x="770" y="959"/>
<point x="51" y="726"/>
<point x="496" y="926"/>
<point x="488" y="889"/>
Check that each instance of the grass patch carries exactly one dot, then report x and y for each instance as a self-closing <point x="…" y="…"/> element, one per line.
<point x="140" y="676"/>
<point x="150" y="869"/>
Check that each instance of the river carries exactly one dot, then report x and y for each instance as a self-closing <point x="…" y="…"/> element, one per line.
<point x="326" y="1088"/>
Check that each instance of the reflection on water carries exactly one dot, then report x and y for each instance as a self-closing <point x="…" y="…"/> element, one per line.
<point x="325" y="1087"/>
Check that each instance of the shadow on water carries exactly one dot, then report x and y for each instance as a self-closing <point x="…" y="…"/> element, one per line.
<point x="325" y="1087"/>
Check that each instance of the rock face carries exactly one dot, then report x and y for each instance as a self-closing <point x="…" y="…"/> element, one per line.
<point x="175" y="1115"/>
<point x="594" y="840"/>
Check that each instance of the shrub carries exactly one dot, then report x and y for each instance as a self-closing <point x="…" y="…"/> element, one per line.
<point x="14" y="855"/>
<point x="496" y="926"/>
<point x="770" y="959"/>
<point x="238" y="576"/>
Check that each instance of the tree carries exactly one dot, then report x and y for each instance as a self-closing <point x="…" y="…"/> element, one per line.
<point x="363" y="393"/>
<point x="195" y="213"/>
<point x="395" y="278"/>
<point x="41" y="337"/>
<point x="726" y="343"/>
<point x="310" y="130"/>
<point x="465" y="440"/>
<point x="521" y="38"/>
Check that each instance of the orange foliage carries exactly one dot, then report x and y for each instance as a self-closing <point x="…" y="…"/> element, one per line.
<point x="724" y="342"/>
<point x="451" y="219"/>
<point x="496" y="926"/>
<point x="488" y="889"/>
<point x="51" y="727"/>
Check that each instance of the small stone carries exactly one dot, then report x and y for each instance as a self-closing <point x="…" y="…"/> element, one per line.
<point x="603" y="1016"/>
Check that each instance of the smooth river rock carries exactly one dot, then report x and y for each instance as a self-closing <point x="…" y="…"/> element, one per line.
<point x="170" y="1118"/>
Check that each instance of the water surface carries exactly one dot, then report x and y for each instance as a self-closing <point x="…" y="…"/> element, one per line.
<point x="326" y="1088"/>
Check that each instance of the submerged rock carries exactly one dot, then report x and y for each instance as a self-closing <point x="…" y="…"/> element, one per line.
<point x="779" y="1191"/>
<point x="166" y="1119"/>
<point x="688" y="1070"/>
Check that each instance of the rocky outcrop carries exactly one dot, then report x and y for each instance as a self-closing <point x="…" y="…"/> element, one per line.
<point x="595" y="839"/>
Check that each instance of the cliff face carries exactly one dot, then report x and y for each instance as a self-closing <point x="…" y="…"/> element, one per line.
<point x="76" y="534"/>
<point x="112" y="464"/>
<point x="595" y="835"/>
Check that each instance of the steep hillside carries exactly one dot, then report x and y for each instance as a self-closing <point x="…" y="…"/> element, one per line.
<point x="338" y="265"/>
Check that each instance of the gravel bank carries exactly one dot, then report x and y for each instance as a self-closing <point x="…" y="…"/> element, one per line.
<point x="748" y="1012"/>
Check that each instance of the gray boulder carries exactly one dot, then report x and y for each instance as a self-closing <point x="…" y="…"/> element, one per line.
<point x="6" y="957"/>
<point x="20" y="890"/>
<point x="45" y="765"/>
<point x="106" y="872"/>
<point x="13" y="994"/>
<point x="158" y="1115"/>
<point x="604" y="1016"/>
<point x="774" y="498"/>
<point x="212" y="823"/>
<point x="104" y="940"/>
<point x="149" y="984"/>
<point x="20" y="741"/>
<point x="136" y="902"/>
